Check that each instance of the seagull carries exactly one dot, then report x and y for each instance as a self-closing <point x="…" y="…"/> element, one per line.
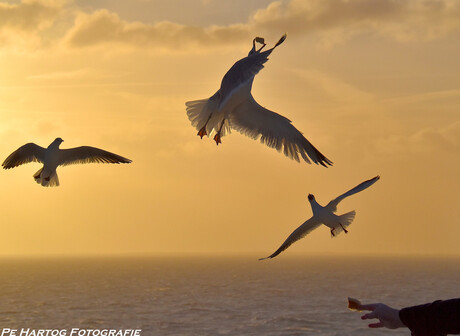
<point x="53" y="157"/>
<point x="233" y="107"/>
<point x="325" y="215"/>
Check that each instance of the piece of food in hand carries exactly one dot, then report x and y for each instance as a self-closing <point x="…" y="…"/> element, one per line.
<point x="354" y="304"/>
<point x="260" y="40"/>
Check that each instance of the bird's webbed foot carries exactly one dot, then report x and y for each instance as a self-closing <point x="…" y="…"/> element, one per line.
<point x="344" y="230"/>
<point x="217" y="138"/>
<point x="202" y="132"/>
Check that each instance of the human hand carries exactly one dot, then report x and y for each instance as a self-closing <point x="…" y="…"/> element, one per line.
<point x="388" y="317"/>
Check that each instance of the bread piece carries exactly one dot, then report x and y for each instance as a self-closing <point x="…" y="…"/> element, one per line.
<point x="354" y="304"/>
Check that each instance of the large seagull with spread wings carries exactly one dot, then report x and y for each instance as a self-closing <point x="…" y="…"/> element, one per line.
<point x="325" y="215"/>
<point x="233" y="107"/>
<point x="53" y="157"/>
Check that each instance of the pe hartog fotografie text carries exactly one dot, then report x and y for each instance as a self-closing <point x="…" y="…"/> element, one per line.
<point x="70" y="332"/>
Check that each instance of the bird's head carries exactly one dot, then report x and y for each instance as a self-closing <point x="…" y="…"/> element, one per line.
<point x="311" y="197"/>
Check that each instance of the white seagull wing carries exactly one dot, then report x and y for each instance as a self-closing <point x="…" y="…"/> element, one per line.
<point x="298" y="233"/>
<point x="28" y="153"/>
<point x="275" y="131"/>
<point x="87" y="154"/>
<point x="332" y="205"/>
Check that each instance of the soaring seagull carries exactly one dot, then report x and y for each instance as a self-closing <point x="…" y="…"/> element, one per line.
<point x="233" y="107"/>
<point x="53" y="157"/>
<point x="325" y="215"/>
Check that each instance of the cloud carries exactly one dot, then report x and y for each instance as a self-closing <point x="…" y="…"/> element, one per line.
<point x="334" y="89"/>
<point x="102" y="27"/>
<point x="426" y="142"/>
<point x="20" y="23"/>
<point x="333" y="20"/>
<point x="300" y="17"/>
<point x="86" y="75"/>
<point x="447" y="139"/>
<point x="81" y="73"/>
<point x="402" y="20"/>
<point x="28" y="15"/>
<point x="426" y="97"/>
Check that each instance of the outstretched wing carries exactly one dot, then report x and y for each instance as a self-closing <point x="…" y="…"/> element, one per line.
<point x="28" y="153"/>
<point x="87" y="154"/>
<point x="298" y="233"/>
<point x="275" y="131"/>
<point x="332" y="205"/>
<point x="244" y="71"/>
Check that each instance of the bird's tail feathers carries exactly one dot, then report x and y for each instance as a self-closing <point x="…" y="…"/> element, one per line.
<point x="205" y="112"/>
<point x="50" y="181"/>
<point x="345" y="220"/>
<point x="197" y="113"/>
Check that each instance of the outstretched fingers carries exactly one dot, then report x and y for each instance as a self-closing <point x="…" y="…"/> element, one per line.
<point x="387" y="317"/>
<point x="373" y="314"/>
<point x="376" y="325"/>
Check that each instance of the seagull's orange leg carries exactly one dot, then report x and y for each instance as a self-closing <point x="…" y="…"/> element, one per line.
<point x="217" y="139"/>
<point x="217" y="136"/>
<point x="202" y="132"/>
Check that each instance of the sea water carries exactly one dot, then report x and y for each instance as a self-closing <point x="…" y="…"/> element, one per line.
<point x="217" y="296"/>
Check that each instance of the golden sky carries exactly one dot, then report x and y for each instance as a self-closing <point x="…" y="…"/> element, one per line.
<point x="374" y="85"/>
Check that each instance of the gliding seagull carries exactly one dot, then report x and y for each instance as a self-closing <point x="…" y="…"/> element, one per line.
<point x="325" y="215"/>
<point x="52" y="157"/>
<point x="233" y="107"/>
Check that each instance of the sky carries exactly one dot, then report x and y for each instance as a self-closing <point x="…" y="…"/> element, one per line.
<point x="374" y="85"/>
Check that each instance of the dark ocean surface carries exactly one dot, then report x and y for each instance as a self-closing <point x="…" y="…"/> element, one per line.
<point x="217" y="296"/>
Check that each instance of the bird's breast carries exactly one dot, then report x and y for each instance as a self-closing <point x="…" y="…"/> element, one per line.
<point x="232" y="100"/>
<point x="51" y="158"/>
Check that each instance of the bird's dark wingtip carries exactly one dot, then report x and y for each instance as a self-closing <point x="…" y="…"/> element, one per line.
<point x="376" y="178"/>
<point x="325" y="162"/>
<point x="281" y="40"/>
